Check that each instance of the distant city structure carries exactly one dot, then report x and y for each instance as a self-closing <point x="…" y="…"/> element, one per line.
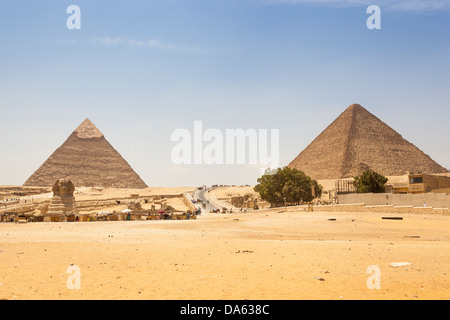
<point x="358" y="141"/>
<point x="88" y="160"/>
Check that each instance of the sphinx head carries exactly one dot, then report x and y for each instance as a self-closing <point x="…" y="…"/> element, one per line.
<point x="63" y="187"/>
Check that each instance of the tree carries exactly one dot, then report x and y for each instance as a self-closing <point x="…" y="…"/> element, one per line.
<point x="370" y="181"/>
<point x="288" y="186"/>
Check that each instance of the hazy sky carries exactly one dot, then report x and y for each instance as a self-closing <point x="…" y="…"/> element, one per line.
<point x="142" y="69"/>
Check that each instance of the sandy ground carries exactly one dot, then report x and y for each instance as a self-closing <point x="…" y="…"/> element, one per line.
<point x="226" y="192"/>
<point x="98" y="194"/>
<point x="92" y="193"/>
<point x="112" y="193"/>
<point x="176" y="203"/>
<point x="222" y="195"/>
<point x="95" y="194"/>
<point x="260" y="255"/>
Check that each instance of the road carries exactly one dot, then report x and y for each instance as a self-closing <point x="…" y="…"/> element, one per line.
<point x="203" y="195"/>
<point x="210" y="203"/>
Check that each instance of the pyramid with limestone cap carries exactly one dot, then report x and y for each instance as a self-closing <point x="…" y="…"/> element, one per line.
<point x="87" y="130"/>
<point x="357" y="141"/>
<point x="89" y="160"/>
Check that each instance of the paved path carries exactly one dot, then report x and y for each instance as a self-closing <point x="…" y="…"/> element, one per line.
<point x="211" y="203"/>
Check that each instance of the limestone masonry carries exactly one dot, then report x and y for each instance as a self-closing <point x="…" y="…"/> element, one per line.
<point x="88" y="160"/>
<point x="357" y="141"/>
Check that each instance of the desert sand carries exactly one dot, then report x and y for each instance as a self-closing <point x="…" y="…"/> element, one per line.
<point x="226" y="192"/>
<point x="265" y="254"/>
<point x="96" y="194"/>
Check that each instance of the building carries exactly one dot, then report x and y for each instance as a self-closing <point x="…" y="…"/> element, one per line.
<point x="422" y="183"/>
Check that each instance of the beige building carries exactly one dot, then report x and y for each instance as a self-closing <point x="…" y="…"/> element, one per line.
<point x="422" y="183"/>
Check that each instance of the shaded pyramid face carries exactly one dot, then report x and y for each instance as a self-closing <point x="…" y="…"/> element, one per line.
<point x="87" y="159"/>
<point x="357" y="141"/>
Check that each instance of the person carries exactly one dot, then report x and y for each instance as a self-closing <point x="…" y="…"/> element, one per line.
<point x="424" y="204"/>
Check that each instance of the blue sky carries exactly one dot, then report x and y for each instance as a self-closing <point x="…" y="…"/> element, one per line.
<point x="142" y="69"/>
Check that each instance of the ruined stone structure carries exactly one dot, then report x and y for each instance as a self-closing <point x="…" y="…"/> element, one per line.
<point x="88" y="160"/>
<point x="246" y="201"/>
<point x="357" y="141"/>
<point x="135" y="205"/>
<point x="63" y="201"/>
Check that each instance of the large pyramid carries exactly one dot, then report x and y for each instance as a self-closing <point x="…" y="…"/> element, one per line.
<point x="357" y="141"/>
<point x="87" y="159"/>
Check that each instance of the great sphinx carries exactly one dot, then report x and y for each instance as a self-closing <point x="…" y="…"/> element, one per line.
<point x="63" y="201"/>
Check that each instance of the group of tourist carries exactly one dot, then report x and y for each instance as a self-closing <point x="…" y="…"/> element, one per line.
<point x="10" y="200"/>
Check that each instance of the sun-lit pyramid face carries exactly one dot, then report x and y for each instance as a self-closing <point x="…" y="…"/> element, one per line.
<point x="87" y="130"/>
<point x="357" y="141"/>
<point x="88" y="160"/>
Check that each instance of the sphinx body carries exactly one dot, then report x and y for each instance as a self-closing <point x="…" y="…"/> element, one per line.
<point x="63" y="201"/>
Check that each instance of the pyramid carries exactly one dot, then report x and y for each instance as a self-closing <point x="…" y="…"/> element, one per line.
<point x="87" y="159"/>
<point x="357" y="141"/>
